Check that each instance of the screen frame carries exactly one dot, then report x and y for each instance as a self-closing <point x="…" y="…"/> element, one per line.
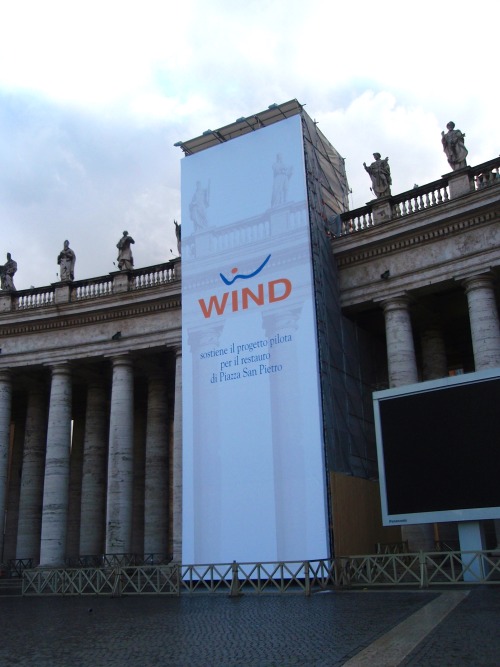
<point x="446" y="514"/>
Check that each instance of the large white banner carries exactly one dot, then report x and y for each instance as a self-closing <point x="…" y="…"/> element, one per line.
<point x="253" y="462"/>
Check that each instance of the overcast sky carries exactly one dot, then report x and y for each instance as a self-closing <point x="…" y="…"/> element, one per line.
<point x="93" y="95"/>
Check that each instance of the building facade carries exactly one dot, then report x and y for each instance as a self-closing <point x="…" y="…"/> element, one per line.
<point x="90" y="376"/>
<point x="90" y="407"/>
<point x="419" y="272"/>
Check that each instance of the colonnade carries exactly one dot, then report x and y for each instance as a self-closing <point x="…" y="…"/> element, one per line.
<point x="401" y="358"/>
<point x="99" y="469"/>
<point x="94" y="470"/>
<point x="485" y="332"/>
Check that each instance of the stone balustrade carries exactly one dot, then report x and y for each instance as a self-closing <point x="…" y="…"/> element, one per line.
<point x="33" y="298"/>
<point x="420" y="198"/>
<point x="452" y="185"/>
<point x="94" y="288"/>
<point x="91" y="289"/>
<point x="152" y="276"/>
<point x="355" y="221"/>
<point x="486" y="174"/>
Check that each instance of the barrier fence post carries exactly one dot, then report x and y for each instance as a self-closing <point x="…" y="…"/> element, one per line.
<point x="307" y="580"/>
<point x="235" y="584"/>
<point x="117" y="583"/>
<point x="424" y="580"/>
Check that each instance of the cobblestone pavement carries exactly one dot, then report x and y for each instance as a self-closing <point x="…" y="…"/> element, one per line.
<point x="255" y="631"/>
<point x="469" y="636"/>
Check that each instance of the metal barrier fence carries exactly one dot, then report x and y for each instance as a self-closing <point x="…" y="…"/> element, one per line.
<point x="17" y="566"/>
<point x="422" y="570"/>
<point x="140" y="580"/>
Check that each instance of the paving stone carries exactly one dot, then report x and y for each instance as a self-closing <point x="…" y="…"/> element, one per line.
<point x="205" y="630"/>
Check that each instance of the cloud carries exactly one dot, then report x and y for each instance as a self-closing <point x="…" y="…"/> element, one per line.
<point x="93" y="96"/>
<point x="68" y="174"/>
<point x="409" y="136"/>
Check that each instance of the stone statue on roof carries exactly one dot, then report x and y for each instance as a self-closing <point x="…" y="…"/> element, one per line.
<point x="7" y="272"/>
<point x="380" y="174"/>
<point x="66" y="260"/>
<point x="453" y="146"/>
<point x="178" y="235"/>
<point x="125" y="258"/>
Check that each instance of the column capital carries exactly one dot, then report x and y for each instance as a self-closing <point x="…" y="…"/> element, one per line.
<point x="400" y="301"/>
<point x="5" y="375"/>
<point x="123" y="359"/>
<point x="60" y="368"/>
<point x="471" y="275"/>
<point x="478" y="281"/>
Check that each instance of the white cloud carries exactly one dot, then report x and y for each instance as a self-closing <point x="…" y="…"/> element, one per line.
<point x="409" y="136"/>
<point x="94" y="95"/>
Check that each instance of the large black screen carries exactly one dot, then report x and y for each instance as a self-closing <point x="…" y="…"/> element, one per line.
<point x="439" y="450"/>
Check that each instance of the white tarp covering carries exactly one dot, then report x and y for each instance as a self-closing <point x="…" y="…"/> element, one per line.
<point x="253" y="457"/>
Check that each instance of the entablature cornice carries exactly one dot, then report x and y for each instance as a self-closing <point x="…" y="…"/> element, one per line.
<point x="402" y="238"/>
<point x="26" y="322"/>
<point x="135" y="345"/>
<point x="428" y="257"/>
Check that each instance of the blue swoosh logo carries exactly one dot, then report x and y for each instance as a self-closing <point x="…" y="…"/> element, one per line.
<point x="242" y="275"/>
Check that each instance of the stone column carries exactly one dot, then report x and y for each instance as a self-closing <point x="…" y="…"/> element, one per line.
<point x="484" y="324"/>
<point x="140" y="420"/>
<point x="75" y="486"/>
<point x="401" y="361"/>
<point x="14" y="486"/>
<point x="485" y="330"/>
<point x="56" y="483"/>
<point x="156" y="477"/>
<point x="120" y="459"/>
<point x="95" y="449"/>
<point x="434" y="363"/>
<point x="5" y="417"/>
<point x="402" y="369"/>
<point x="31" y="499"/>
<point x="177" y="463"/>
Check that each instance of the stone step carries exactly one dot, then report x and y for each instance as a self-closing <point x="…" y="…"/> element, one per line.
<point x="11" y="586"/>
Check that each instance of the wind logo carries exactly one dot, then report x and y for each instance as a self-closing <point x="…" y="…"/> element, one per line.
<point x="242" y="276"/>
<point x="240" y="299"/>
